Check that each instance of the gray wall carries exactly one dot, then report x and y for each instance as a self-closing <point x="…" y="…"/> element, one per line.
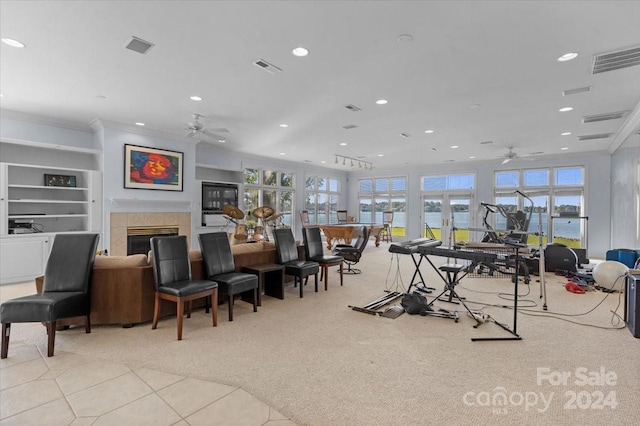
<point x="612" y="223"/>
<point x="625" y="196"/>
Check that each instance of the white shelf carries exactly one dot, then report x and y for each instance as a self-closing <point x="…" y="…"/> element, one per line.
<point x="65" y="188"/>
<point x="44" y="216"/>
<point x="24" y="200"/>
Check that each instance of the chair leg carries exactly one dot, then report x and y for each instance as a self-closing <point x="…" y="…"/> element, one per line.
<point x="189" y="306"/>
<point x="87" y="324"/>
<point x="214" y="307"/>
<point x="316" y="279"/>
<point x="299" y="278"/>
<point x="180" y="315"/>
<point x="6" y="330"/>
<point x="230" y="297"/>
<point x="325" y="271"/>
<point x="51" y="339"/>
<point x="341" y="269"/>
<point x="156" y="312"/>
<point x="255" y="300"/>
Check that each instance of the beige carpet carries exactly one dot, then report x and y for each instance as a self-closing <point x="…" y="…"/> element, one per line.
<point x="321" y="363"/>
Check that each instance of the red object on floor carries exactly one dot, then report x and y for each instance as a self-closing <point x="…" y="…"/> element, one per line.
<point x="574" y="288"/>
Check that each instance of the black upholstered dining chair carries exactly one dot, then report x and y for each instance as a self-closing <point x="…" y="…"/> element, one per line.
<point x="314" y="250"/>
<point x="352" y="254"/>
<point x="288" y="256"/>
<point x="219" y="267"/>
<point x="65" y="292"/>
<point x="172" y="274"/>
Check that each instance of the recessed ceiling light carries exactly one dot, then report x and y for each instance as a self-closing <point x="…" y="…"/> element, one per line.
<point x="221" y="140"/>
<point x="196" y="98"/>
<point x="454" y="146"/>
<point x="564" y="148"/>
<point x="323" y="162"/>
<point x="13" y="43"/>
<point x="382" y="101"/>
<point x="343" y="144"/>
<point x="284" y="125"/>
<point x="565" y="134"/>
<point x="428" y="131"/>
<point x="300" y="51"/>
<point x="380" y="155"/>
<point x="565" y="109"/>
<point x="139" y="124"/>
<point x="472" y="156"/>
<point x="404" y="38"/>
<point x="567" y="57"/>
<point x="282" y="153"/>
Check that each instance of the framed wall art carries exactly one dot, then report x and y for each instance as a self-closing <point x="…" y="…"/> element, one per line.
<point x="152" y="168"/>
<point x="60" y="180"/>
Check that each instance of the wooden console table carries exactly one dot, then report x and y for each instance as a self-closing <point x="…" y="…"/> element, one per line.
<point x="270" y="279"/>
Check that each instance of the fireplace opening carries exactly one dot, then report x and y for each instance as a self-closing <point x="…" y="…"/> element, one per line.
<point x="138" y="237"/>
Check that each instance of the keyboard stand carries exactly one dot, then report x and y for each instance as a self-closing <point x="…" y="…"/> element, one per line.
<point x="424" y="288"/>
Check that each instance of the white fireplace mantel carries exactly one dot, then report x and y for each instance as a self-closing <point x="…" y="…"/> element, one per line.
<point x="141" y="202"/>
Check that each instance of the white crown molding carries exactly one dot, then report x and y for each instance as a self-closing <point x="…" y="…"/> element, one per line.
<point x="630" y="127"/>
<point x="39" y="119"/>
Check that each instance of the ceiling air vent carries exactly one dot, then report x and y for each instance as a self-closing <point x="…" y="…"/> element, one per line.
<point x="350" y="126"/>
<point x="353" y="108"/>
<point x="138" y="45"/>
<point x="267" y="66"/>
<point x="405" y="135"/>
<point x="596" y="136"/>
<point x="576" y="91"/>
<point x="616" y="60"/>
<point x="486" y="142"/>
<point x="604" y="117"/>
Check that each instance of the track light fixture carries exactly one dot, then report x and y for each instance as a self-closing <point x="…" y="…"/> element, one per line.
<point x="352" y="162"/>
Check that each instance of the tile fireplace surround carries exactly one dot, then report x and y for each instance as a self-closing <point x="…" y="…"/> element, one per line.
<point x="120" y="221"/>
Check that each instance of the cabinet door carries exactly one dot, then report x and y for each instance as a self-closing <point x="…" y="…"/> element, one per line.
<point x="23" y="258"/>
<point x="95" y="200"/>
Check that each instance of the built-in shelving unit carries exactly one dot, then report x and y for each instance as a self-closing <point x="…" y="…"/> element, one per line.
<point x="33" y="210"/>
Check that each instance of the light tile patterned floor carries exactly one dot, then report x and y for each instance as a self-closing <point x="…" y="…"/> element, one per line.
<point x="68" y="389"/>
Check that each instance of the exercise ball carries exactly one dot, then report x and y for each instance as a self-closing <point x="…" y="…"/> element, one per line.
<point x="610" y="274"/>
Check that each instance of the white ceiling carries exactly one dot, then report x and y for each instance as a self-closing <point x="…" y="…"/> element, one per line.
<point x="474" y="72"/>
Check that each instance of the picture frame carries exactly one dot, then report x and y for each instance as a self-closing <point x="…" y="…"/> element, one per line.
<point x="67" y="181"/>
<point x="153" y="168"/>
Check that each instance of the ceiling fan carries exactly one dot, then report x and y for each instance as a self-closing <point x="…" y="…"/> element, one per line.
<point x="196" y="128"/>
<point x="511" y="155"/>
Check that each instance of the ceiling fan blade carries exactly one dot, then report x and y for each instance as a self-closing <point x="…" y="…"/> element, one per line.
<point x="506" y="160"/>
<point x="219" y="130"/>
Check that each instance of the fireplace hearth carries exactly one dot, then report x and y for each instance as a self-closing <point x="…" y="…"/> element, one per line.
<point x="141" y="226"/>
<point x="138" y="237"/>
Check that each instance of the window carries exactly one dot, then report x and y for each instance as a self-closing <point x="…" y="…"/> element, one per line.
<point x="562" y="188"/>
<point x="448" y="182"/>
<point x="446" y="206"/>
<point x="269" y="188"/>
<point x="321" y="199"/>
<point x="380" y="194"/>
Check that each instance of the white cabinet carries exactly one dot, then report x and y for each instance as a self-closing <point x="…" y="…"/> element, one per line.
<point x="23" y="257"/>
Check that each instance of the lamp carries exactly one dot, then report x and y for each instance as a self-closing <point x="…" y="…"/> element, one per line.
<point x="352" y="161"/>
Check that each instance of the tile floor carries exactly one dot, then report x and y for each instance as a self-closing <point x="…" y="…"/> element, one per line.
<point x="68" y="389"/>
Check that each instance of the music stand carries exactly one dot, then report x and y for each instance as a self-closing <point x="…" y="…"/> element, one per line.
<point x="513" y="330"/>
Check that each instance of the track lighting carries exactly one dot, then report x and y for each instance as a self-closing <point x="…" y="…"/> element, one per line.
<point x="352" y="162"/>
